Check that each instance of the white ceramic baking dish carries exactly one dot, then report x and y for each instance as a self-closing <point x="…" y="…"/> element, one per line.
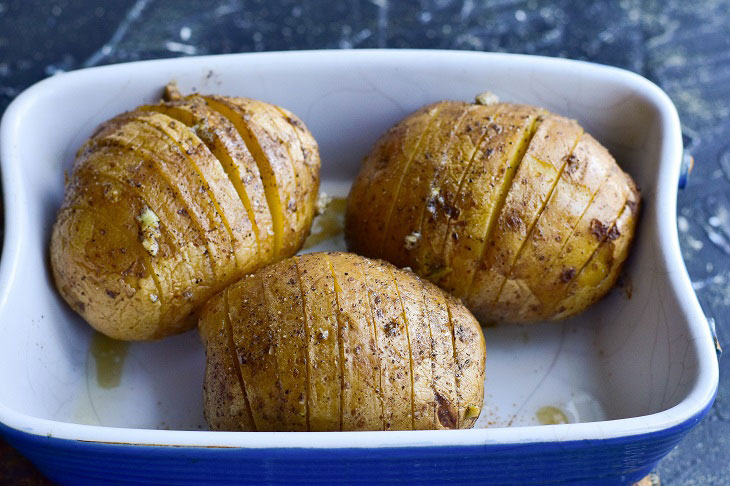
<point x="632" y="375"/>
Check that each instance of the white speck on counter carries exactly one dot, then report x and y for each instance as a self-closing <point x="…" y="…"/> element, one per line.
<point x="181" y="48"/>
<point x="682" y="224"/>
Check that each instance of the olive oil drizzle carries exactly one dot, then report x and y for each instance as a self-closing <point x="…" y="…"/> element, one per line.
<point x="549" y="415"/>
<point x="109" y="355"/>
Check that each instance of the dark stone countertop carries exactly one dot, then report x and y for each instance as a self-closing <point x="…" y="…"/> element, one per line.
<point x="683" y="46"/>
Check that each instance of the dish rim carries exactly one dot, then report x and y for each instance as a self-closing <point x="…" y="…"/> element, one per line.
<point x="692" y="407"/>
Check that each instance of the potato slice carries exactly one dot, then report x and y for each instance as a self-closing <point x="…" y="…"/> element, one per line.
<point x="279" y="181"/>
<point x="470" y="144"/>
<point x="325" y="371"/>
<point x="479" y="202"/>
<point x="225" y="404"/>
<point x="285" y="310"/>
<point x="526" y="287"/>
<point x="289" y="132"/>
<point x="409" y="197"/>
<point x="225" y="143"/>
<point x="371" y="195"/>
<point x="602" y="270"/>
<point x="256" y="345"/>
<point x="469" y="352"/>
<point x="534" y="181"/>
<point x="446" y="405"/>
<point x="362" y="406"/>
<point x="308" y="145"/>
<point x="423" y="401"/>
<point x="393" y="350"/>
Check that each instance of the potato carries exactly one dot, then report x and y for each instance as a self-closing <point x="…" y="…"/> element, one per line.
<point x="170" y="203"/>
<point x="335" y="341"/>
<point x="513" y="209"/>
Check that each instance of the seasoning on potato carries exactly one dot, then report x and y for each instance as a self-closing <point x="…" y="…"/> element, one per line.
<point x="336" y="341"/>
<point x="170" y="203"/>
<point x="513" y="209"/>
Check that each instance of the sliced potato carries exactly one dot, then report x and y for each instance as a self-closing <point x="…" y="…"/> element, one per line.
<point x="205" y="207"/>
<point x="325" y="372"/>
<point x="423" y="400"/>
<point x="276" y="171"/>
<point x="600" y="272"/>
<point x="392" y="339"/>
<point x="226" y="406"/>
<point x="386" y="350"/>
<point x="285" y="310"/>
<point x="146" y="141"/>
<point x="489" y="219"/>
<point x="529" y="282"/>
<point x="468" y="357"/>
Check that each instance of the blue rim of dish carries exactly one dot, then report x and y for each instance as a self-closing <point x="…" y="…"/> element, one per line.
<point x="636" y="461"/>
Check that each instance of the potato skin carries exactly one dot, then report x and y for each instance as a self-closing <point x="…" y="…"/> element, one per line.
<point x="168" y="204"/>
<point x="411" y="358"/>
<point x="505" y="206"/>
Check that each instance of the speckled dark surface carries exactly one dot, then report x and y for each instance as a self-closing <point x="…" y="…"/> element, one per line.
<point x="684" y="46"/>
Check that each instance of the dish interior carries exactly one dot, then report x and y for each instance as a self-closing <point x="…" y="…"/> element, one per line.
<point x="628" y="356"/>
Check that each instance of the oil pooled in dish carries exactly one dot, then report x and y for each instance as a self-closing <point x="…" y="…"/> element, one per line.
<point x="328" y="224"/>
<point x="109" y="355"/>
<point x="549" y="415"/>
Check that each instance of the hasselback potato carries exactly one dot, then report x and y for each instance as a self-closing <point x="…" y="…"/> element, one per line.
<point x="335" y="341"/>
<point x="169" y="203"/>
<point x="517" y="211"/>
